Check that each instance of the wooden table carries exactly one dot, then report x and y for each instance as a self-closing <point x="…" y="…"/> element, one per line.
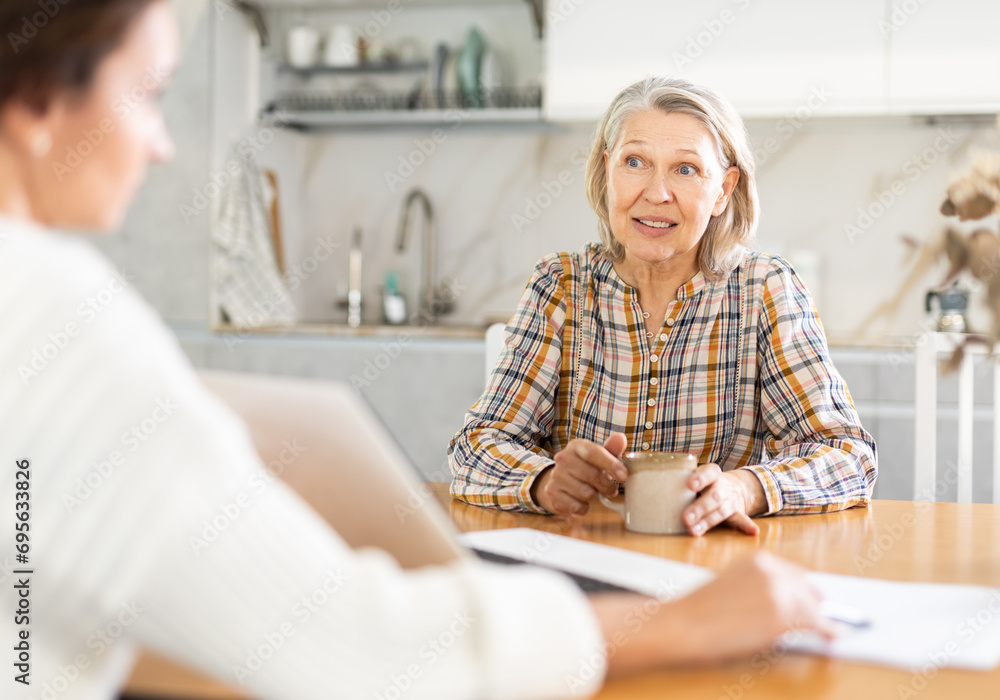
<point x="897" y="540"/>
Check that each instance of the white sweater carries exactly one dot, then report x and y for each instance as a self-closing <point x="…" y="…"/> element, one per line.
<point x="130" y="457"/>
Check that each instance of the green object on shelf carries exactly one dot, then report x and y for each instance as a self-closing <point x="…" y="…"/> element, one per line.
<point x="469" y="61"/>
<point x="391" y="285"/>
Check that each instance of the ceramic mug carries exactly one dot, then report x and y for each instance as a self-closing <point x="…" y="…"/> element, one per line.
<point x="303" y="46"/>
<point x="656" y="492"/>
<point x="341" y="47"/>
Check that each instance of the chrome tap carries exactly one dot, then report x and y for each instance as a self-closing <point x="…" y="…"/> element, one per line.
<point x="432" y="302"/>
<point x="354" y="282"/>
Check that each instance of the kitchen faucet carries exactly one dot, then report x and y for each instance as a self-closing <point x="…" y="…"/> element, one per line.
<point x="432" y="302"/>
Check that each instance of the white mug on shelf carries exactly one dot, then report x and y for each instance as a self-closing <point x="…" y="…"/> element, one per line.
<point x="341" y="47"/>
<point x="303" y="46"/>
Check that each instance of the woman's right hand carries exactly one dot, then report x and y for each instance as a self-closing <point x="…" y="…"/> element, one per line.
<point x="582" y="470"/>
<point x="745" y="610"/>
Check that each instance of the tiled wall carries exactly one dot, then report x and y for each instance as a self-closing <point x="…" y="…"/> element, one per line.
<point x="882" y="387"/>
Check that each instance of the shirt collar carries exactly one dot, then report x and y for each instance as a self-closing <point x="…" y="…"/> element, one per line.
<point x="606" y="276"/>
<point x="692" y="287"/>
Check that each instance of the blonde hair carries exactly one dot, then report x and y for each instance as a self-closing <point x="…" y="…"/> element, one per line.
<point x="727" y="235"/>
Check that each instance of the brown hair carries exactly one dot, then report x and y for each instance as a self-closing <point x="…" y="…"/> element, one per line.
<point x="53" y="46"/>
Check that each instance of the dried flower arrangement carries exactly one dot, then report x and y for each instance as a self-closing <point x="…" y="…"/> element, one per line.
<point x="971" y="196"/>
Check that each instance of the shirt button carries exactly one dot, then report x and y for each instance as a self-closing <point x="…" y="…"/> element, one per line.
<point x="651" y="402"/>
<point x="648" y="425"/>
<point x="645" y="445"/>
<point x="653" y="358"/>
<point x="663" y="336"/>
<point x="653" y="381"/>
<point x="645" y="314"/>
<point x="670" y="321"/>
<point x="649" y="335"/>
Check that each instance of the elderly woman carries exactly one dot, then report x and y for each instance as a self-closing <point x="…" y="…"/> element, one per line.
<point x="668" y="336"/>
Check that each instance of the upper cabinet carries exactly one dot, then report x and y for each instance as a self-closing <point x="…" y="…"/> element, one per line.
<point x="944" y="56"/>
<point x="775" y="57"/>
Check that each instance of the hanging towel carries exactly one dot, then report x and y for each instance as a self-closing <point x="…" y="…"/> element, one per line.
<point x="249" y="286"/>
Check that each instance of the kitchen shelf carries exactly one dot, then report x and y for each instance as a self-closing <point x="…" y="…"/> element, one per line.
<point x="363" y="331"/>
<point x="331" y="110"/>
<point x="361" y="69"/>
<point x="311" y="120"/>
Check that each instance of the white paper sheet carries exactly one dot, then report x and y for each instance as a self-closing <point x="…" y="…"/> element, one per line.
<point x="654" y="576"/>
<point x="916" y="626"/>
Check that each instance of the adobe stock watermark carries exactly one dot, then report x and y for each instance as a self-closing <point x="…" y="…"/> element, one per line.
<point x="87" y="311"/>
<point x="903" y="355"/>
<point x="711" y="30"/>
<point x="913" y="169"/>
<point x="761" y="663"/>
<point x="786" y="127"/>
<point x="295" y="276"/>
<point x="433" y="649"/>
<point x="122" y="108"/>
<point x="229" y="511"/>
<point x="376" y="365"/>
<point x="549" y="190"/>
<point x="425" y="147"/>
<point x="249" y="148"/>
<point x="644" y="611"/>
<point x="271" y="642"/>
<point x="559" y="12"/>
<point x="894" y="533"/>
<point x="132" y="438"/>
<point x="99" y="641"/>
<point x="32" y="24"/>
<point x="902" y="11"/>
<point x="965" y="633"/>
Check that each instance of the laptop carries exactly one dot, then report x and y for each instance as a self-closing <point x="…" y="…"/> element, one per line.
<point x="325" y="441"/>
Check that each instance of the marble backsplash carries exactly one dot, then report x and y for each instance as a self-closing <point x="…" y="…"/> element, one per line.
<point x="835" y="194"/>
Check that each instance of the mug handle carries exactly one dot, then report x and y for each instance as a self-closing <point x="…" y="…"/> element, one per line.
<point x="616" y="507"/>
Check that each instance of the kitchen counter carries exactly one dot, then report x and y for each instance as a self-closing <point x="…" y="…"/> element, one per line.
<point x="363" y="331"/>
<point x="906" y="343"/>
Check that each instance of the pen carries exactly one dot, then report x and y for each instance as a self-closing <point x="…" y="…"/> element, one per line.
<point x="846" y="614"/>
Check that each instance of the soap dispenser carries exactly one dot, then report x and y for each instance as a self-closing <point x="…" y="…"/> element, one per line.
<point x="393" y="303"/>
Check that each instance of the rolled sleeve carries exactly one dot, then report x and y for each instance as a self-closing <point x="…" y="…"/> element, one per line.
<point x="820" y="458"/>
<point x="500" y="449"/>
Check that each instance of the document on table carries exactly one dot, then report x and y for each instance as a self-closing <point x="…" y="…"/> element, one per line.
<point x="913" y="625"/>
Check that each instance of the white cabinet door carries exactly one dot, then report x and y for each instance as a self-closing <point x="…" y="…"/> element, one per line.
<point x="769" y="57"/>
<point x="944" y="57"/>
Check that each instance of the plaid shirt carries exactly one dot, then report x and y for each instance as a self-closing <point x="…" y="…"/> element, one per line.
<point x="578" y="363"/>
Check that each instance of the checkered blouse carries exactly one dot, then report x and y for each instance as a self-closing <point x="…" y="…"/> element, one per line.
<point x="739" y="374"/>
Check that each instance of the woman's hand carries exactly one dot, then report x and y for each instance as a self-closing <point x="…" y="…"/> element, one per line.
<point x="724" y="497"/>
<point x="746" y="609"/>
<point x="582" y="470"/>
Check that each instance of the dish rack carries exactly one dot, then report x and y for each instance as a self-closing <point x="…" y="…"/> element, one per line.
<point x="372" y="106"/>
